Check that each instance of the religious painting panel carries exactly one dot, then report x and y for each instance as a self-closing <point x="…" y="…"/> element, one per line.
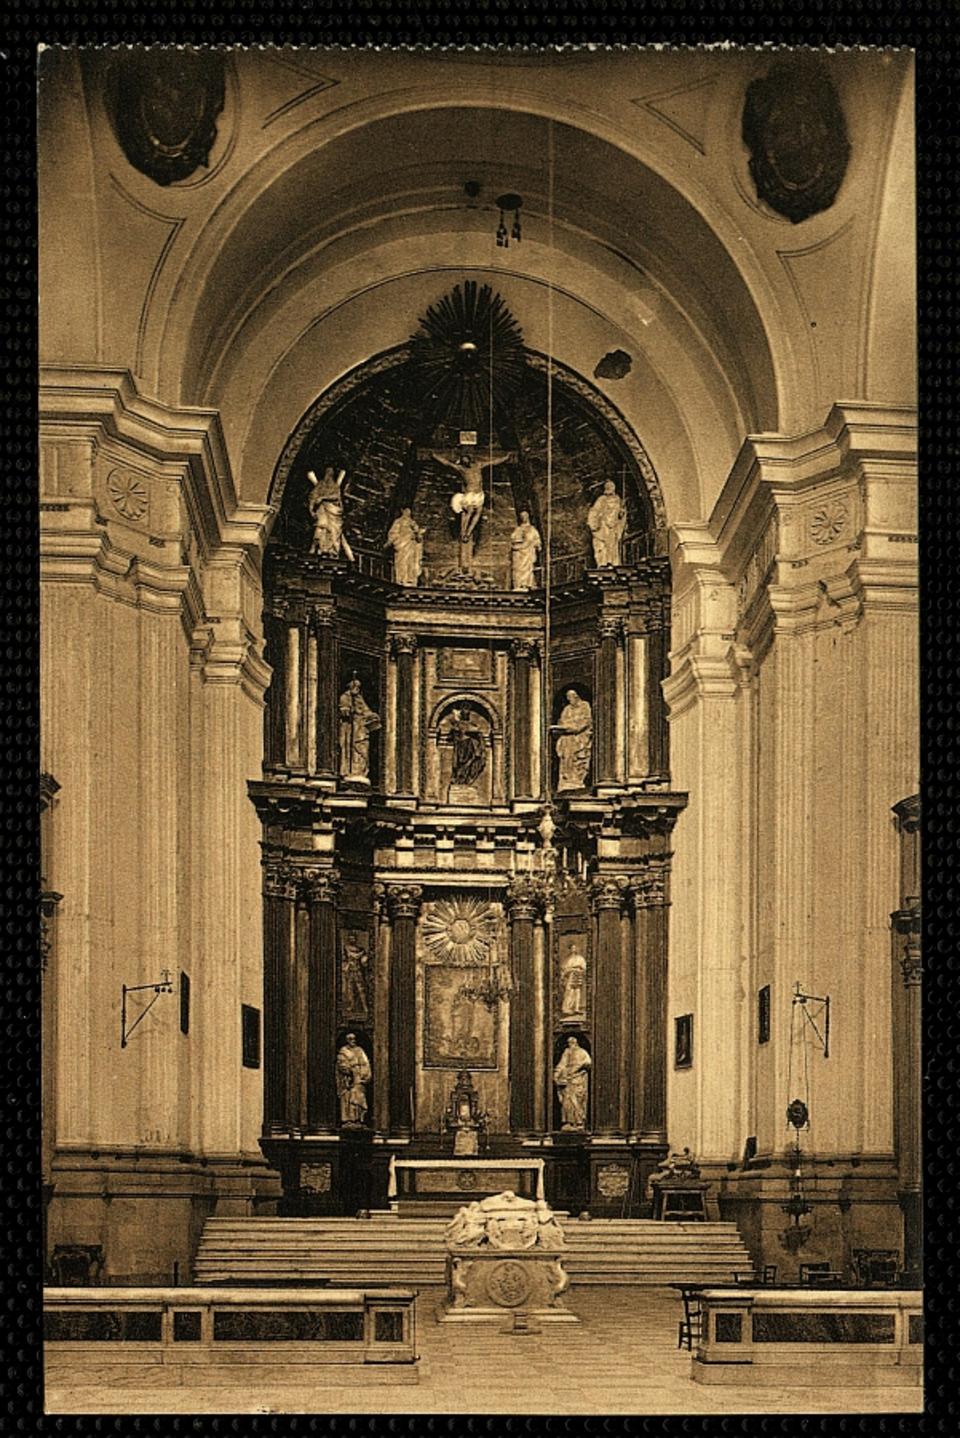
<point x="473" y="666"/>
<point x="571" y="975"/>
<point x="354" y="986"/>
<point x="458" y="1031"/>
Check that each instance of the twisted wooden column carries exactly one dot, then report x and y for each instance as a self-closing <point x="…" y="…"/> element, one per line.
<point x="523" y="907"/>
<point x="321" y="886"/>
<point x="279" y="898"/>
<point x="403" y="906"/>
<point x="608" y="895"/>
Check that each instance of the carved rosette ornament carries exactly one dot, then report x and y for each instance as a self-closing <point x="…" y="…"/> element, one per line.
<point x="794" y="128"/>
<point x="163" y="104"/>
<point x="128" y="493"/>
<point x="828" y="522"/>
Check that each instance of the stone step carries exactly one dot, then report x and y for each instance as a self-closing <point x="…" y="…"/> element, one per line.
<point x="388" y="1249"/>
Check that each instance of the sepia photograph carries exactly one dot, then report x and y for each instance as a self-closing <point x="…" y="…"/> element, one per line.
<point x="479" y="730"/>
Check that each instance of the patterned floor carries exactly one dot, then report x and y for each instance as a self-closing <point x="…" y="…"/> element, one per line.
<point x="621" y="1358"/>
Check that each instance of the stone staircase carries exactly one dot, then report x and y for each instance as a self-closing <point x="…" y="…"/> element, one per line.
<point x="385" y="1249"/>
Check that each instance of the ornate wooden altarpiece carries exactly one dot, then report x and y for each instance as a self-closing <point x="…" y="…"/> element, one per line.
<point x="434" y="921"/>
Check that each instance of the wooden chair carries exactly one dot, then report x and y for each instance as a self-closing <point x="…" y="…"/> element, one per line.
<point x="688" y="1331"/>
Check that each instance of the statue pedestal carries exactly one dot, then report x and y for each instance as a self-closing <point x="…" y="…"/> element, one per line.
<point x="463" y="794"/>
<point x="493" y="1283"/>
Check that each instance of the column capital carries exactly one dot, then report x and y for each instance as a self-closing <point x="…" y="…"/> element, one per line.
<point x="279" y="879"/>
<point x="402" y="901"/>
<point x="649" y="889"/>
<point x="320" y="885"/>
<point x="609" y="891"/>
<point x="524" y="898"/>
<point x="528" y="649"/>
<point x="610" y="626"/>
<point x="403" y="644"/>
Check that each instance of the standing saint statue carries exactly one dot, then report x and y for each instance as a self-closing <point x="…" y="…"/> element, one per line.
<point x="357" y="723"/>
<point x="607" y="520"/>
<point x="573" y="984"/>
<point x="353" y="1075"/>
<point x="326" y="510"/>
<point x="469" y="501"/>
<point x="570" y="1077"/>
<point x="524" y="551"/>
<point x="574" y="746"/>
<point x="469" y="748"/>
<point x="405" y="538"/>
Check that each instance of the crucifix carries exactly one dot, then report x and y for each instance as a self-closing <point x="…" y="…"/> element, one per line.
<point x="468" y="502"/>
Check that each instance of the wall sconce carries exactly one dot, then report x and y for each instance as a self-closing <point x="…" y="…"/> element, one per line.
<point x="162" y="986"/>
<point x="509" y="202"/>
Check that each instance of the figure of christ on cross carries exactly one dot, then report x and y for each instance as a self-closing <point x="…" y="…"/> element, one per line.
<point x="468" y="502"/>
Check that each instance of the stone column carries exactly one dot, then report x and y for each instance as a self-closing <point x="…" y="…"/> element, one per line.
<point x="605" y="700"/>
<point x="279" y="896"/>
<point x="294" y="671"/>
<point x="607" y="898"/>
<point x="275" y="723"/>
<point x="522" y="652"/>
<point x="536" y="720"/>
<point x="405" y="649"/>
<point x="638" y="748"/>
<point x="327" y="699"/>
<point x="321" y="890"/>
<point x="522" y="903"/>
<point x="656" y="647"/>
<point x="403" y="906"/>
<point x="650" y="1091"/>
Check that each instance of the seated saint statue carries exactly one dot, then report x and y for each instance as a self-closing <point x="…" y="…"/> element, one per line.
<point x="607" y="520"/>
<point x="405" y="538"/>
<point x="574" y="746"/>
<point x="524" y="550"/>
<point x="570" y="1077"/>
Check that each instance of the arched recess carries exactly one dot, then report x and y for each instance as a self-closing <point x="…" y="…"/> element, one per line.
<point x="574" y="396"/>
<point x="612" y="220"/>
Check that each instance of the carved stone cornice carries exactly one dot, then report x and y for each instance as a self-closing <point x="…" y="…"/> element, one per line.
<point x="279" y="879"/>
<point x="402" y="901"/>
<point x="320" y="885"/>
<point x="524" y="898"/>
<point x="609" y="891"/>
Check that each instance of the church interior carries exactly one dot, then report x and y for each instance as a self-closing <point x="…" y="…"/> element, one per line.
<point x="479" y="695"/>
